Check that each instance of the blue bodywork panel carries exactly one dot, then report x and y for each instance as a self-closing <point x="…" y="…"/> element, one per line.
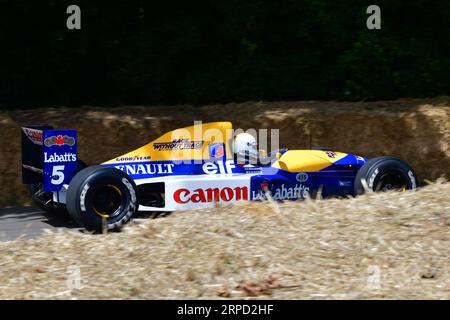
<point x="334" y="180"/>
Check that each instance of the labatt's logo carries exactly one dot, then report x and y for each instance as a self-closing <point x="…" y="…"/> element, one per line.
<point x="211" y="195"/>
<point x="283" y="193"/>
<point x="66" y="157"/>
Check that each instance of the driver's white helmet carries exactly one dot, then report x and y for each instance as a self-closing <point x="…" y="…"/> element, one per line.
<point x="245" y="148"/>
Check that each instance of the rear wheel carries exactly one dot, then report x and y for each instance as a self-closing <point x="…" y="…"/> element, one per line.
<point x="100" y="194"/>
<point x="384" y="174"/>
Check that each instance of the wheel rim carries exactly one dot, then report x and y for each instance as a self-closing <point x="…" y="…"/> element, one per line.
<point x="391" y="180"/>
<point x="108" y="201"/>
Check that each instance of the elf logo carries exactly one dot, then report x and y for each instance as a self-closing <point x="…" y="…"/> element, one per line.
<point x="218" y="167"/>
<point x="210" y="195"/>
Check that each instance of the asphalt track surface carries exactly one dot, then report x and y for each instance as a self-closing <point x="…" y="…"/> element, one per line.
<point x="29" y="222"/>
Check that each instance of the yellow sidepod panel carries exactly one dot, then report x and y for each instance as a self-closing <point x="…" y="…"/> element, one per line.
<point x="307" y="160"/>
<point x="187" y="143"/>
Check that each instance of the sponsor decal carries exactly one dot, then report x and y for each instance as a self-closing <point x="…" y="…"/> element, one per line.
<point x="345" y="183"/>
<point x="133" y="158"/>
<point x="372" y="178"/>
<point x="331" y="154"/>
<point x="210" y="195"/>
<point x="149" y="168"/>
<point x="284" y="193"/>
<point x="83" y="197"/>
<point x="177" y="144"/>
<point x="413" y="180"/>
<point x="218" y="167"/>
<point x="216" y="150"/>
<point x="59" y="158"/>
<point x="359" y="158"/>
<point x="34" y="135"/>
<point x="264" y="186"/>
<point x="59" y="140"/>
<point x="252" y="169"/>
<point x="55" y="157"/>
<point x="301" y="177"/>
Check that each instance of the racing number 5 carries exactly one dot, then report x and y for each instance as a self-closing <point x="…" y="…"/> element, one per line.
<point x="57" y="175"/>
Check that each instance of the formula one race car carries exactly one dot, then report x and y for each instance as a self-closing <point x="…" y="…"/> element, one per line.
<point x="191" y="167"/>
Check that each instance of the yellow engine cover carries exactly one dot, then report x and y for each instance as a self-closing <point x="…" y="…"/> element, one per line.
<point x="197" y="138"/>
<point x="307" y="160"/>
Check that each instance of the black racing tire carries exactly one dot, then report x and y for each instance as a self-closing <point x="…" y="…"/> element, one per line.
<point x="385" y="173"/>
<point x="100" y="193"/>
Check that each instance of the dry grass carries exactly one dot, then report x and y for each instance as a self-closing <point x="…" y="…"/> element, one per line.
<point x="329" y="249"/>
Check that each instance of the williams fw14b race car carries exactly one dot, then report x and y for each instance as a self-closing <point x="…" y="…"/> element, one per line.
<point x="183" y="170"/>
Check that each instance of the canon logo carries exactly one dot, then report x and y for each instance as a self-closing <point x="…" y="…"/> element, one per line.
<point x="211" y="195"/>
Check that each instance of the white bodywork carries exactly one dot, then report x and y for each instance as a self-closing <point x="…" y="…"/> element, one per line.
<point x="184" y="192"/>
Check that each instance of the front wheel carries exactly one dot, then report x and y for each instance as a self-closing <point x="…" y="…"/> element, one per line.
<point x="384" y="174"/>
<point x="99" y="193"/>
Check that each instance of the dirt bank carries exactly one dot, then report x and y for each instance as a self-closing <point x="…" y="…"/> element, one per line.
<point x="415" y="130"/>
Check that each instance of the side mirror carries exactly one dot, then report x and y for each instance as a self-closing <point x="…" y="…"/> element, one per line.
<point x="283" y="165"/>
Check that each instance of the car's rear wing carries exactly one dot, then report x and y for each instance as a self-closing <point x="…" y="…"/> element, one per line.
<point x="48" y="156"/>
